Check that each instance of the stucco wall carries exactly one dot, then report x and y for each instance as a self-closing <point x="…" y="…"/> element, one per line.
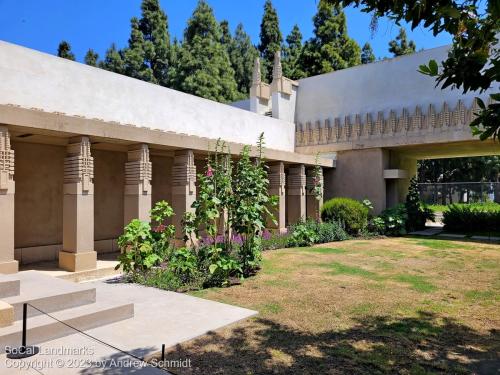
<point x="359" y="175"/>
<point x="32" y="79"/>
<point x="109" y="180"/>
<point x="385" y="85"/>
<point x="38" y="198"/>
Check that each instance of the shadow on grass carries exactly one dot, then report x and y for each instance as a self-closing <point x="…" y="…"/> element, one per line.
<point x="375" y="345"/>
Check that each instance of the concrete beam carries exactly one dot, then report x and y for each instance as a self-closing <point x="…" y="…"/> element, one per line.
<point x="59" y="125"/>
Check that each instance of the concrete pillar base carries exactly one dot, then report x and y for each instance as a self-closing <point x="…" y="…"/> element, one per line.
<point x="9" y="266"/>
<point x="6" y="314"/>
<point x="77" y="261"/>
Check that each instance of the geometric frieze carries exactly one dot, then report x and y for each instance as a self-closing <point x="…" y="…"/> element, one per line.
<point x="419" y="122"/>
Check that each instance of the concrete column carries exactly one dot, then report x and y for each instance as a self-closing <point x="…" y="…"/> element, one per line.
<point x="78" y="208"/>
<point x="277" y="187"/>
<point x="314" y="203"/>
<point x="7" y="190"/>
<point x="296" y="198"/>
<point x="138" y="174"/>
<point x="183" y="187"/>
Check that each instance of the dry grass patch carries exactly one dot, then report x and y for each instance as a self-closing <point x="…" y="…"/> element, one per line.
<point x="389" y="305"/>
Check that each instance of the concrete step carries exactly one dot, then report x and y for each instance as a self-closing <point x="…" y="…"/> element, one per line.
<point x="48" y="294"/>
<point x="9" y="286"/>
<point x="91" y="275"/>
<point x="44" y="328"/>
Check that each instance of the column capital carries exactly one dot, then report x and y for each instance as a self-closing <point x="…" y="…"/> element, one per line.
<point x="138" y="170"/>
<point x="6" y="162"/>
<point x="79" y="167"/>
<point x="184" y="173"/>
<point x="277" y="176"/>
<point x="297" y="180"/>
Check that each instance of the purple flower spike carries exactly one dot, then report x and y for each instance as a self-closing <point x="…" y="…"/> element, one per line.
<point x="266" y="235"/>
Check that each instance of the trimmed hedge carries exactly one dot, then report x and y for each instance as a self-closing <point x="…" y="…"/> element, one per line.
<point x="464" y="218"/>
<point x="351" y="213"/>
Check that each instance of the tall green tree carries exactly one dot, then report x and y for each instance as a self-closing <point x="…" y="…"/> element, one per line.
<point x="270" y="39"/>
<point x="226" y="37"/>
<point x="401" y="46"/>
<point x="367" y="55"/>
<point x="242" y="55"/>
<point x="154" y="27"/>
<point x="330" y="48"/>
<point x="91" y="57"/>
<point x="64" y="51"/>
<point x="134" y="56"/>
<point x="473" y="62"/>
<point x="470" y="169"/>
<point x="203" y="67"/>
<point x="113" y="60"/>
<point x="291" y="54"/>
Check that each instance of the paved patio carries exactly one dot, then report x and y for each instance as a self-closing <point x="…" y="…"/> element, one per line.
<point x="161" y="317"/>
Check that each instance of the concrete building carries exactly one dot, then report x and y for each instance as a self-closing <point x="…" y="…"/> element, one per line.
<point x="79" y="157"/>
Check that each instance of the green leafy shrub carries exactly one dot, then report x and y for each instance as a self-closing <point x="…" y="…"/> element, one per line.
<point x="377" y="225"/>
<point x="184" y="263"/>
<point x="144" y="246"/>
<point x="137" y="248"/>
<point x="303" y="233"/>
<point x="309" y="232"/>
<point x="392" y="221"/>
<point x="331" y="231"/>
<point x="466" y="218"/>
<point x="159" y="278"/>
<point x="351" y="213"/>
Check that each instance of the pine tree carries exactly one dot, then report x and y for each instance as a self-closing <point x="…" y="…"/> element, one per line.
<point x="174" y="55"/>
<point x="203" y="67"/>
<point x="331" y="48"/>
<point x="401" y="46"/>
<point x="225" y="33"/>
<point x="291" y="55"/>
<point x="134" y="57"/>
<point x="367" y="55"/>
<point x="242" y="55"/>
<point x="270" y="39"/>
<point x="154" y="28"/>
<point x="64" y="51"/>
<point x="91" y="57"/>
<point x="113" y="60"/>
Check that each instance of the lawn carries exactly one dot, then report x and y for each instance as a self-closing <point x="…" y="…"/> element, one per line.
<point x="489" y="206"/>
<point x="399" y="305"/>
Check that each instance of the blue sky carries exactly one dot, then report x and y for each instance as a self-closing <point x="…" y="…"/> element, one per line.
<point x="42" y="24"/>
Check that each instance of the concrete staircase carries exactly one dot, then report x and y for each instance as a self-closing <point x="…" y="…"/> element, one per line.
<point x="75" y="304"/>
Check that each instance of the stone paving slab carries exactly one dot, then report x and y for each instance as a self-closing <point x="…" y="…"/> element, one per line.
<point x="161" y="317"/>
